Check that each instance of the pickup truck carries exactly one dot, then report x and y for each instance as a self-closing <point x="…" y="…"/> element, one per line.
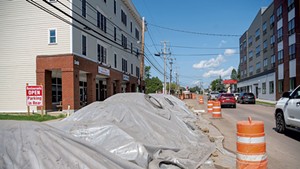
<point x="287" y="111"/>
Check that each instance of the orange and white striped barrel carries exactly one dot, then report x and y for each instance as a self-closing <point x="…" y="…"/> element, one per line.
<point x="210" y="106"/>
<point x="181" y="97"/>
<point x="216" y="109"/>
<point x="251" y="145"/>
<point x="201" y="101"/>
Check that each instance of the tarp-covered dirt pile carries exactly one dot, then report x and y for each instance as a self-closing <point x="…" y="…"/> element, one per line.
<point x="129" y="130"/>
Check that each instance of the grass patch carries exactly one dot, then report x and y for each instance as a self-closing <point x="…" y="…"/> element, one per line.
<point x="265" y="103"/>
<point x="34" y="117"/>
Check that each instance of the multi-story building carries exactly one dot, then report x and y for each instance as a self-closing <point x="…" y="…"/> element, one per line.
<point x="268" y="51"/>
<point x="80" y="51"/>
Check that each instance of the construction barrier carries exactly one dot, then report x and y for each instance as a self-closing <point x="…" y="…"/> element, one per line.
<point x="201" y="101"/>
<point x="210" y="106"/>
<point x="251" y="145"/>
<point x="181" y="96"/>
<point x="193" y="96"/>
<point x="216" y="109"/>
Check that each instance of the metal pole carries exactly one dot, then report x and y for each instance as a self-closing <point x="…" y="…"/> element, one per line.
<point x="165" y="58"/>
<point x="142" y="55"/>
<point x="170" y="76"/>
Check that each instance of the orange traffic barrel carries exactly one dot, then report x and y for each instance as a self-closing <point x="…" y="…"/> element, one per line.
<point x="201" y="101"/>
<point x="251" y="145"/>
<point x="210" y="106"/>
<point x="181" y="97"/>
<point x="216" y="109"/>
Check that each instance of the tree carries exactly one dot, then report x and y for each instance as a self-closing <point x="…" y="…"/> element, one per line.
<point x="234" y="74"/>
<point x="147" y="72"/>
<point x="153" y="85"/>
<point x="217" y="84"/>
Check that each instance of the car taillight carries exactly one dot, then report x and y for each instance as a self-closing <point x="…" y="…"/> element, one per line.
<point x="242" y="97"/>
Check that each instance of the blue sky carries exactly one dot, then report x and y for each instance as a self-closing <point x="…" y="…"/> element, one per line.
<point x="199" y="57"/>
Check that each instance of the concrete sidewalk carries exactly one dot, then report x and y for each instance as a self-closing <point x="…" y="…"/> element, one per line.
<point x="222" y="158"/>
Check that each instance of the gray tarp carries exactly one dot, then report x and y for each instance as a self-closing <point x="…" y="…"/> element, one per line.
<point x="153" y="132"/>
<point x="141" y="130"/>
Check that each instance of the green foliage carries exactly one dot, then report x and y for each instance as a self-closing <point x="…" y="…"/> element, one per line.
<point x="234" y="74"/>
<point x="34" y="117"/>
<point x="217" y="84"/>
<point x="194" y="89"/>
<point x="153" y="85"/>
<point x="147" y="72"/>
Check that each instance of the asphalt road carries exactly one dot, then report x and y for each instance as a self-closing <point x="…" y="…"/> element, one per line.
<point x="283" y="150"/>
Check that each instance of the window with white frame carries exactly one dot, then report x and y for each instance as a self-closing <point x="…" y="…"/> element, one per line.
<point x="273" y="60"/>
<point x="279" y="12"/>
<point x="291" y="4"/>
<point x="52" y="36"/>
<point x="272" y="20"/>
<point x="83" y="8"/>
<point x="250" y="41"/>
<point x="124" y="65"/>
<point x="101" y="53"/>
<point x="291" y="26"/>
<point x="280" y="56"/>
<point x="264" y="88"/>
<point x="279" y="35"/>
<point x="265" y="63"/>
<point x="257" y="34"/>
<point x="83" y="45"/>
<point x="257" y="50"/>
<point x="272" y="40"/>
<point x="271" y="87"/>
<point x="292" y="51"/>
<point x="115" y="60"/>
<point x="137" y="34"/>
<point x="264" y="26"/>
<point x="123" y="17"/>
<point x="101" y="21"/>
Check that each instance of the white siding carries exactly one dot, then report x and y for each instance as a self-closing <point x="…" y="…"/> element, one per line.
<point x="24" y="35"/>
<point x="280" y="71"/>
<point x="113" y="20"/>
<point x="292" y="68"/>
<point x="291" y="14"/>
<point x="292" y="39"/>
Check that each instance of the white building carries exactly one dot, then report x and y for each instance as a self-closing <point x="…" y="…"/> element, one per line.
<point x="80" y="51"/>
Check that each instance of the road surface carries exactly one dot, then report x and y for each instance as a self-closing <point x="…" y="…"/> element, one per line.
<point x="283" y="150"/>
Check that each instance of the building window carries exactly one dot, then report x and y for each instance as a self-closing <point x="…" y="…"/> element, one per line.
<point x="131" y="48"/>
<point x="292" y="83"/>
<point x="292" y="51"/>
<point x="257" y="34"/>
<point x="250" y="70"/>
<point x="250" y="41"/>
<point x="124" y="41"/>
<point x="257" y="50"/>
<point x="291" y="26"/>
<point x="115" y="60"/>
<point x="258" y="66"/>
<point x="131" y="27"/>
<point x="52" y="36"/>
<point x="124" y="65"/>
<point x="137" y="52"/>
<point x="115" y="7"/>
<point x="104" y="1"/>
<point x="279" y="12"/>
<point x="272" y="41"/>
<point x="264" y="26"/>
<point x="264" y="88"/>
<point x="56" y="90"/>
<point x="273" y="61"/>
<point x="272" y="20"/>
<point x="101" y="21"/>
<point x="115" y="33"/>
<point x="271" y="87"/>
<point x="83" y="8"/>
<point x="131" y="69"/>
<point x="101" y="53"/>
<point x="137" y="72"/>
<point x="83" y="45"/>
<point x="250" y="55"/>
<point x="265" y="45"/>
<point x="279" y="35"/>
<point x="280" y="56"/>
<point x="123" y="18"/>
<point x="280" y="86"/>
<point x="291" y="4"/>
<point x="137" y="34"/>
<point x="265" y="63"/>
<point x="245" y="58"/>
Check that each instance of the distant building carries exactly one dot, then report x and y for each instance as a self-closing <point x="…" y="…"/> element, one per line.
<point x="80" y="51"/>
<point x="269" y="51"/>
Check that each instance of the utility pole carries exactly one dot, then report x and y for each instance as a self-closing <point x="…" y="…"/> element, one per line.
<point x="142" y="55"/>
<point x="165" y="65"/>
<point x="171" y="62"/>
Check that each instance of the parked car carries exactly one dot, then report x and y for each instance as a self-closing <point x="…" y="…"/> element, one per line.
<point x="213" y="95"/>
<point x="287" y="111"/>
<point x="227" y="99"/>
<point x="236" y="95"/>
<point x="246" y="98"/>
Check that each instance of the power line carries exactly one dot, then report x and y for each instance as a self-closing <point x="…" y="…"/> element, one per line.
<point x="195" y="33"/>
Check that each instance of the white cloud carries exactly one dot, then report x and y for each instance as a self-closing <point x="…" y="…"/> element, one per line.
<point x="222" y="43"/>
<point x="229" y="52"/>
<point x="215" y="73"/>
<point x="213" y="62"/>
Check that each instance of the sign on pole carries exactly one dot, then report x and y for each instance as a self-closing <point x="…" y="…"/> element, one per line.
<point x="34" y="95"/>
